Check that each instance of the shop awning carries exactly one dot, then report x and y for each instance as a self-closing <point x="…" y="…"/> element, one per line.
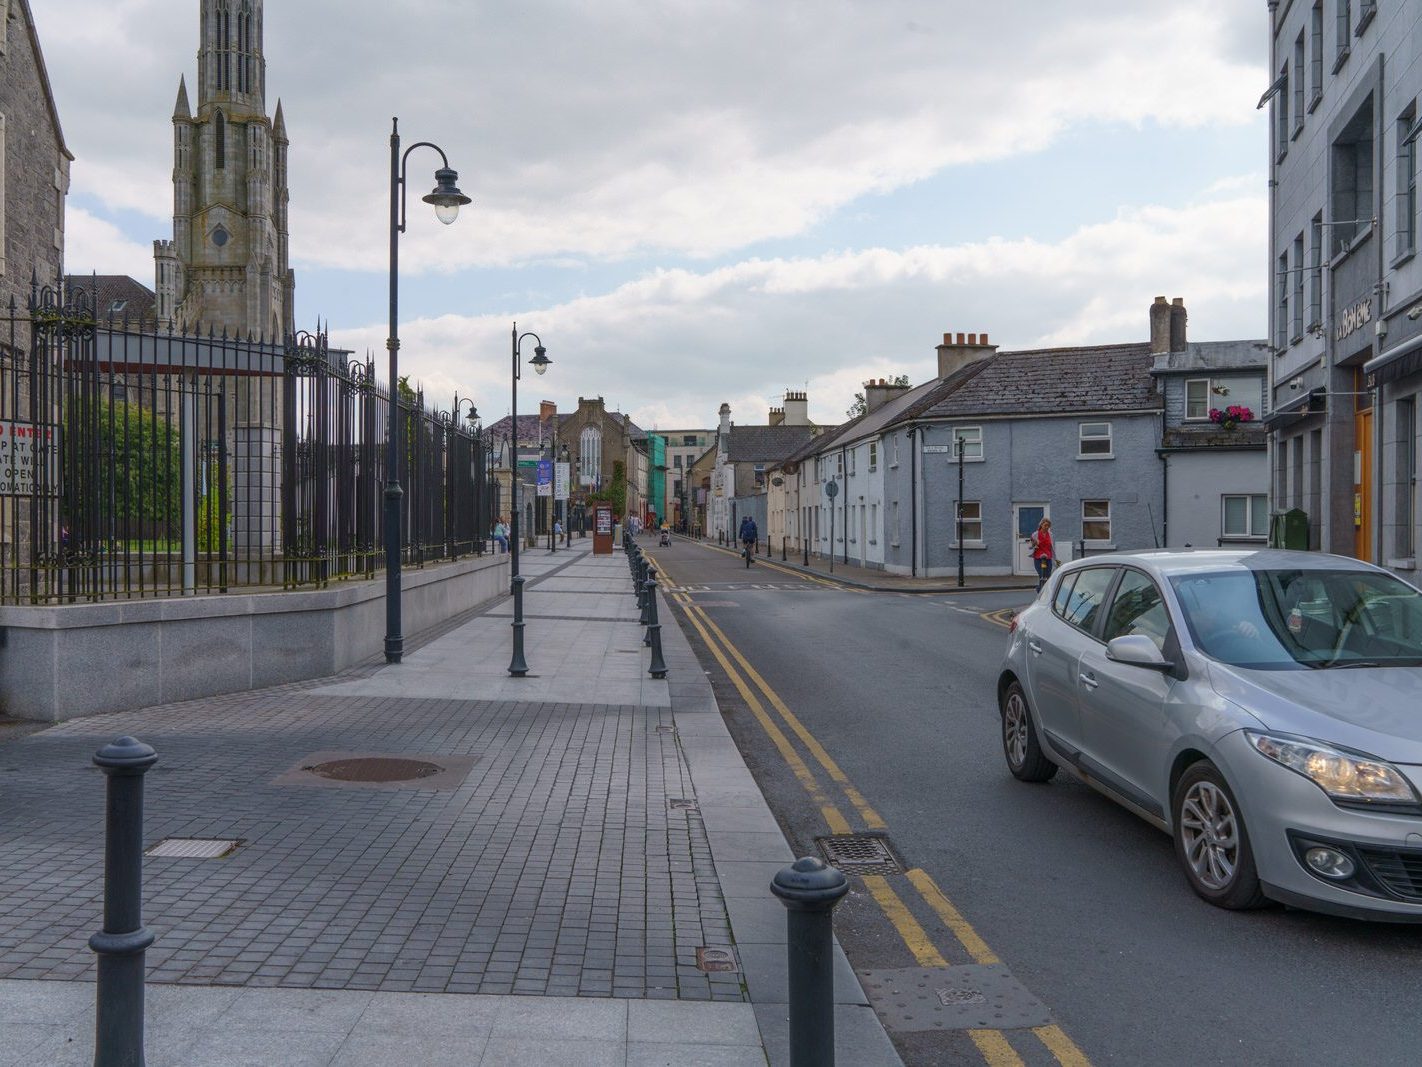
<point x="1397" y="362"/>
<point x="1310" y="403"/>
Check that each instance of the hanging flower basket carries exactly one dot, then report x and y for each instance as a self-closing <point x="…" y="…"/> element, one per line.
<point x="1231" y="416"/>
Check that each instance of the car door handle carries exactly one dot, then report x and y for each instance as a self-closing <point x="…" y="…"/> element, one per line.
<point x="1035" y="647"/>
<point x="1088" y="680"/>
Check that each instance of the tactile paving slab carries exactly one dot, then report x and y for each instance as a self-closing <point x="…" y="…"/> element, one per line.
<point x="971" y="997"/>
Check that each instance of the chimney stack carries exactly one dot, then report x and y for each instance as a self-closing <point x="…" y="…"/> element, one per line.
<point x="953" y="354"/>
<point x="725" y="414"/>
<point x="547" y="410"/>
<point x="876" y="394"/>
<point x="777" y="417"/>
<point x="1160" y="326"/>
<point x="797" y="409"/>
<point x="1177" y="325"/>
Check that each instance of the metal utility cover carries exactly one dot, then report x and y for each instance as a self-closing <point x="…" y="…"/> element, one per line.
<point x="716" y="959"/>
<point x="859" y="853"/>
<point x="971" y="997"/>
<point x="379" y="770"/>
<point x="682" y="804"/>
<point x="193" y="848"/>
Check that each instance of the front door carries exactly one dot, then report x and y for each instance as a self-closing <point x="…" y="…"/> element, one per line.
<point x="1363" y="486"/>
<point x="1025" y="520"/>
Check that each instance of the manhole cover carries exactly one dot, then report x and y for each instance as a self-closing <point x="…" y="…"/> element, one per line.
<point x="193" y="848"/>
<point x="375" y="769"/>
<point x="715" y="958"/>
<point x="859" y="853"/>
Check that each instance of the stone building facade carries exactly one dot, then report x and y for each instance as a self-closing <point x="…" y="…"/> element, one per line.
<point x="226" y="267"/>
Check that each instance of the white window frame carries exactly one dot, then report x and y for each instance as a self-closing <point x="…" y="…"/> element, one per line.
<point x="1083" y="437"/>
<point x="971" y="537"/>
<point x="873" y="456"/>
<point x="1204" y="416"/>
<point x="895" y="462"/>
<point x="895" y="541"/>
<point x="972" y="437"/>
<point x="1249" y="532"/>
<point x="1106" y="518"/>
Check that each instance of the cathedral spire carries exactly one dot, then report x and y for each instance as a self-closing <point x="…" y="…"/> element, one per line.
<point x="279" y="124"/>
<point x="232" y="71"/>
<point x="182" y="110"/>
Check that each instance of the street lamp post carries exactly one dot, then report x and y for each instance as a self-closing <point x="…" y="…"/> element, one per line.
<point x="480" y="490"/>
<point x="446" y="200"/>
<point x="517" y="665"/>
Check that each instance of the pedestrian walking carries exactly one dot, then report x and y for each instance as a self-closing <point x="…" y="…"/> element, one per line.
<point x="1044" y="553"/>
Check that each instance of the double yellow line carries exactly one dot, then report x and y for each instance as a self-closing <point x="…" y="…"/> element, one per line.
<point x="767" y="561"/>
<point x="760" y="698"/>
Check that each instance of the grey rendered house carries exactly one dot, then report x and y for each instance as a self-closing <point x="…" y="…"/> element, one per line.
<point x="1214" y="471"/>
<point x="1066" y="433"/>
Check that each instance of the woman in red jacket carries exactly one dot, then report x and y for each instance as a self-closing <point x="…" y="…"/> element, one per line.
<point x="1044" y="554"/>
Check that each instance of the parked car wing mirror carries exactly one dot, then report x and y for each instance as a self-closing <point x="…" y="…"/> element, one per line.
<point x="1138" y="651"/>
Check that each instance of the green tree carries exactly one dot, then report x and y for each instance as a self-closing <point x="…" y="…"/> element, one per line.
<point x="137" y="473"/>
<point x="616" y="492"/>
<point x="861" y="406"/>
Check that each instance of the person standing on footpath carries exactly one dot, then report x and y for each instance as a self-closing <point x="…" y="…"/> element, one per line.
<point x="1044" y="553"/>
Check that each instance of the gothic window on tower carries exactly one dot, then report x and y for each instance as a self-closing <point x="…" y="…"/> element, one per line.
<point x="219" y="133"/>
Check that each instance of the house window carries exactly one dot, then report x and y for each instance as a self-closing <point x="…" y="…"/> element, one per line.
<point x="1298" y="76"/>
<point x="852" y="453"/>
<point x="689" y="440"/>
<point x="1406" y="183"/>
<point x="1366" y="10"/>
<point x="1245" y="515"/>
<point x="873" y="523"/>
<point x="895" y="511"/>
<point x="1096" y="520"/>
<point x="1281" y="113"/>
<point x="1315" y="54"/>
<point x="1095" y="440"/>
<point x="972" y="438"/>
<point x="970" y="515"/>
<point x="1197" y="399"/>
<point x="873" y="455"/>
<point x="760" y="475"/>
<point x="676" y="462"/>
<point x="1281" y="313"/>
<point x="1298" y="280"/>
<point x="1343" y="20"/>
<point x="895" y="463"/>
<point x="1315" y="273"/>
<point x="1351" y="181"/>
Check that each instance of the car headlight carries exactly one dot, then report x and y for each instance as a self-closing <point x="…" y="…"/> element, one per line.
<point x="1344" y="776"/>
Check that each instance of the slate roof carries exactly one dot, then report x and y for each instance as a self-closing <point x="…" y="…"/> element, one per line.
<point x="528" y="427"/>
<point x="1046" y="381"/>
<point x="765" y="444"/>
<point x="116" y="296"/>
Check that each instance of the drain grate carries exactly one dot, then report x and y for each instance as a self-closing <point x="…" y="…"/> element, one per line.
<point x="375" y="769"/>
<point x="859" y="853"/>
<point x="665" y="728"/>
<point x="193" y="848"/>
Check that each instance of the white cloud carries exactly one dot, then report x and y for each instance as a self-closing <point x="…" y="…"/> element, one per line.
<point x="95" y="245"/>
<point x="618" y="128"/>
<point x="671" y="345"/>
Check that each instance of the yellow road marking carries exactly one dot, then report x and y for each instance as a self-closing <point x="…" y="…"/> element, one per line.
<point x="952" y="917"/>
<point x="1061" y="1046"/>
<point x="871" y="818"/>
<point x="992" y="1045"/>
<point x="1002" y="617"/>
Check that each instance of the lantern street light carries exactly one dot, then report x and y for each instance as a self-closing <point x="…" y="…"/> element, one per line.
<point x="446" y="199"/>
<point x="540" y="361"/>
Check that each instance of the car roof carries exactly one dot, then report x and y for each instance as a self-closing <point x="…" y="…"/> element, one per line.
<point x="1170" y="563"/>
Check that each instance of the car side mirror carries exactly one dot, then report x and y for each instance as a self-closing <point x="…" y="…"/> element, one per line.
<point x="1137" y="650"/>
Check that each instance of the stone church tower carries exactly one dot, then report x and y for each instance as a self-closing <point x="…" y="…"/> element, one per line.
<point x="226" y="266"/>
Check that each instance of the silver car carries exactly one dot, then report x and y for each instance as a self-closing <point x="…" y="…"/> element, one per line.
<point x="1264" y="708"/>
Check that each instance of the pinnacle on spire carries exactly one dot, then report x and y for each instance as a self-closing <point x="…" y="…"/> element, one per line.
<point x="279" y="124"/>
<point x="182" y="110"/>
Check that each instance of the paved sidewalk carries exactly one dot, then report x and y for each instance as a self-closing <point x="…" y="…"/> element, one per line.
<point x="590" y="831"/>
<point x="879" y="581"/>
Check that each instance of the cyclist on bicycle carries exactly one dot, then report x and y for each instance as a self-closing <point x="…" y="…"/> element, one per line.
<point x="749" y="535"/>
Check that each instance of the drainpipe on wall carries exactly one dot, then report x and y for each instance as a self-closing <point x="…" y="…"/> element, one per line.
<point x="1164" y="488"/>
<point x="913" y="501"/>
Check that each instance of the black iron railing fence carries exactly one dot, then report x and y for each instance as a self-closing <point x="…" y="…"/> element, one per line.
<point x="136" y="461"/>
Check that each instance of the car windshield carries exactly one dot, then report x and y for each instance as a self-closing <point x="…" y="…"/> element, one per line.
<point x="1303" y="619"/>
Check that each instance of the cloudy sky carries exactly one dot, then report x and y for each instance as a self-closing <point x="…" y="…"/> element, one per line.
<point x="697" y="201"/>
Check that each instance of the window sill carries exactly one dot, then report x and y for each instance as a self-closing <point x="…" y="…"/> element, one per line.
<point x="1097" y="546"/>
<point x="1315" y="100"/>
<point x="1340" y="59"/>
<point x="1408" y="564"/>
<point x="1282" y="153"/>
<point x="1108" y="455"/>
<point x="1298" y="130"/>
<point x="1365" y="17"/>
<point x="1352" y="246"/>
<point x="1402" y="257"/>
<point x="969" y="546"/>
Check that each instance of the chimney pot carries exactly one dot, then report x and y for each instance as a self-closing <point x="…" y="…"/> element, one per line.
<point x="972" y="338"/>
<point x="960" y="338"/>
<point x="947" y="338"/>
<point x="984" y="339"/>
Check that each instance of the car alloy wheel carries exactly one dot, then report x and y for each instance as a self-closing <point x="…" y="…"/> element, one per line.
<point x="1211" y="835"/>
<point x="1212" y="841"/>
<point x="1024" y="755"/>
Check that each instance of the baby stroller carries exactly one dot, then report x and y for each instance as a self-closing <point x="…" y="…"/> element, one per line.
<point x="665" y="539"/>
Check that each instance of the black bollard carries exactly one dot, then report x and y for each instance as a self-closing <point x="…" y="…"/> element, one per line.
<point x="658" y="668"/>
<point x="782" y="548"/>
<point x="806" y="546"/>
<point x="810" y="889"/>
<point x="121" y="944"/>
<point x="518" y="667"/>
<point x="648" y="585"/>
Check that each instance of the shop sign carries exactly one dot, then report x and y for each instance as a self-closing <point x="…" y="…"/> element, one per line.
<point x="1354" y="318"/>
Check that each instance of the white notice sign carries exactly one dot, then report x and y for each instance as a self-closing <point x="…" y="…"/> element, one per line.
<point x="562" y="475"/>
<point x="23" y="446"/>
